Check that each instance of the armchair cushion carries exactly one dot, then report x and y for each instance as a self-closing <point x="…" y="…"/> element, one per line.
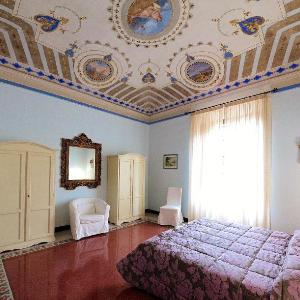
<point x="84" y="209"/>
<point x="87" y="219"/>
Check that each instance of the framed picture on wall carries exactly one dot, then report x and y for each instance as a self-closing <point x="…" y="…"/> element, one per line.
<point x="170" y="161"/>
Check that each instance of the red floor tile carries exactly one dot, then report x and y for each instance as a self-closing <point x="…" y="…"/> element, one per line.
<point x="79" y="270"/>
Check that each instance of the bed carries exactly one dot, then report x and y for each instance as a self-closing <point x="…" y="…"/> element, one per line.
<point x="211" y="260"/>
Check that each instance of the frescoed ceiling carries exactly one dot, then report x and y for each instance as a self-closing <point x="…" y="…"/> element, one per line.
<point x="147" y="59"/>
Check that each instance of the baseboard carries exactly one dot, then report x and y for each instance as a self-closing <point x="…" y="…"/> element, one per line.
<point x="62" y="228"/>
<point x="151" y="211"/>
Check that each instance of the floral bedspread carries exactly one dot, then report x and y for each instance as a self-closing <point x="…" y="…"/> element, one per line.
<point x="211" y="260"/>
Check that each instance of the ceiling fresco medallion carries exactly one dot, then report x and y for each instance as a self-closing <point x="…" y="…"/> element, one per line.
<point x="98" y="70"/>
<point x="98" y="65"/>
<point x="204" y="70"/>
<point x="149" y="22"/>
<point x="199" y="67"/>
<point x="200" y="71"/>
<point x="92" y="69"/>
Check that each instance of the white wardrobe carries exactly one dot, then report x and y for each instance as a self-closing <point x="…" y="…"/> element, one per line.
<point x="126" y="187"/>
<point x="27" y="203"/>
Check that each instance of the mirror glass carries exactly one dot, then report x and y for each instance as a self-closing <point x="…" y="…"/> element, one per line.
<point x="81" y="163"/>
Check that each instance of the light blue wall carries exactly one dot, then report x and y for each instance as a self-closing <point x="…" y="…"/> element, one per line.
<point x="169" y="137"/>
<point x="32" y="116"/>
<point x="285" y="198"/>
<point x="173" y="137"/>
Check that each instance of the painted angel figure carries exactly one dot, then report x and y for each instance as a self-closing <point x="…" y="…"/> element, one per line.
<point x="144" y="9"/>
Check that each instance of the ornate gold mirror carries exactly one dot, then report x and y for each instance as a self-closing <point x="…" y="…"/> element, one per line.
<point x="80" y="163"/>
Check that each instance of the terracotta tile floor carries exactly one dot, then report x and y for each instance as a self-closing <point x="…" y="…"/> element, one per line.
<point x="79" y="270"/>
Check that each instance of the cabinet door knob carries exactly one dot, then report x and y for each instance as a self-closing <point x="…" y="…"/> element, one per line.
<point x="28" y="196"/>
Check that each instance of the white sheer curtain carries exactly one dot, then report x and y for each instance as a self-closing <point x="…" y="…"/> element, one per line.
<point x="229" y="163"/>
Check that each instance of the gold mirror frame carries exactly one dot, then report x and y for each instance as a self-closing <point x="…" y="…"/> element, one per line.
<point x="81" y="141"/>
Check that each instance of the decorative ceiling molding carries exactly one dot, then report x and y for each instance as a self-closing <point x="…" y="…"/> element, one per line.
<point x="281" y="82"/>
<point x="38" y="84"/>
<point x="65" y="92"/>
<point x="255" y="41"/>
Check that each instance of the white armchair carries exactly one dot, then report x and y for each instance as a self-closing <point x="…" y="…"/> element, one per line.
<point x="88" y="216"/>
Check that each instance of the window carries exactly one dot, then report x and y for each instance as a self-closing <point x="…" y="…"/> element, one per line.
<point x="229" y="163"/>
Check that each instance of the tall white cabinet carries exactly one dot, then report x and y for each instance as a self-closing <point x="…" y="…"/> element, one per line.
<point x="126" y="187"/>
<point x="27" y="202"/>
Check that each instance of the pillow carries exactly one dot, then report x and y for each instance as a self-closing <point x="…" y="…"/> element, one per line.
<point x="294" y="244"/>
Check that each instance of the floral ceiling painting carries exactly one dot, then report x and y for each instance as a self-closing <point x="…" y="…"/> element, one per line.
<point x="147" y="59"/>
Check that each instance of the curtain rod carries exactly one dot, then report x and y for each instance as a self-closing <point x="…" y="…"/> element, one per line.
<point x="232" y="101"/>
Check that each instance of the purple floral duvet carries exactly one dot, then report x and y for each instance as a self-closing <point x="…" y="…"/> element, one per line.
<point x="211" y="260"/>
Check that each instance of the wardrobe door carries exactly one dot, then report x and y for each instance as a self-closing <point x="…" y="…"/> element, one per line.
<point x="138" y="199"/>
<point x="40" y="196"/>
<point x="12" y="197"/>
<point x="125" y="192"/>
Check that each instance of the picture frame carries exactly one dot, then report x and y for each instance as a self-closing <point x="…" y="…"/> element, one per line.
<point x="170" y="161"/>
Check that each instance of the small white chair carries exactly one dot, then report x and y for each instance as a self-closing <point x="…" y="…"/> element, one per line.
<point x="88" y="216"/>
<point x="170" y="214"/>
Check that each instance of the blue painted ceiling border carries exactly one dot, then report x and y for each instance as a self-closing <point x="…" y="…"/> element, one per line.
<point x="67" y="83"/>
<point x="204" y="95"/>
<point x="286" y="88"/>
<point x="69" y="100"/>
<point x="279" y="90"/>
